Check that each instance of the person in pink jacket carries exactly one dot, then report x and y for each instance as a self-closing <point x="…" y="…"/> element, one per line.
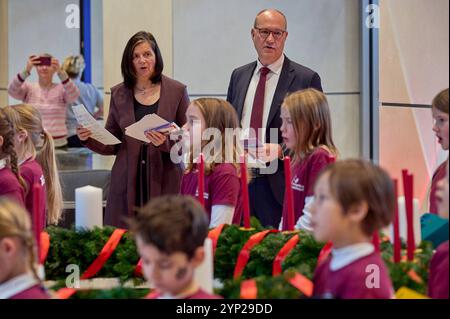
<point x="51" y="99"/>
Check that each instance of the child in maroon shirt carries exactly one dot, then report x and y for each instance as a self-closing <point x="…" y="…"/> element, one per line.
<point x="35" y="151"/>
<point x="438" y="278"/>
<point x="222" y="183"/>
<point x="11" y="184"/>
<point x="440" y="128"/>
<point x="18" y="278"/>
<point x="353" y="199"/>
<point x="306" y="132"/>
<point x="170" y="232"/>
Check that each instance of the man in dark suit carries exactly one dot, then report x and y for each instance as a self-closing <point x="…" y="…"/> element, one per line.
<point x="256" y="91"/>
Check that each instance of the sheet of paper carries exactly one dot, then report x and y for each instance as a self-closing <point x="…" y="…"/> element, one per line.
<point x="147" y="123"/>
<point x="99" y="133"/>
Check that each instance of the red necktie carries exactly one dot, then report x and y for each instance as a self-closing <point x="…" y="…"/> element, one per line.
<point x="258" y="102"/>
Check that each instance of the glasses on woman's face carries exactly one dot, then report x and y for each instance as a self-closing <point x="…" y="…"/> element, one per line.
<point x="264" y="33"/>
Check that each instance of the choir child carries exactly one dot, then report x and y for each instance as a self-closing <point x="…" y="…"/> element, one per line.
<point x="170" y="232"/>
<point x="353" y="199"/>
<point x="306" y="132"/>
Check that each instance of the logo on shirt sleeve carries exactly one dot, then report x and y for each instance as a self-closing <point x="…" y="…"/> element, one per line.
<point x="205" y="194"/>
<point x="296" y="185"/>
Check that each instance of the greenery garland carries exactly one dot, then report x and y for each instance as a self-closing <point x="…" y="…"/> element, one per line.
<point x="81" y="247"/>
<point x="268" y="287"/>
<point x="115" y="293"/>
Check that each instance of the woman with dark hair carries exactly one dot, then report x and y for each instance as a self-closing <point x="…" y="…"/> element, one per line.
<point x="141" y="170"/>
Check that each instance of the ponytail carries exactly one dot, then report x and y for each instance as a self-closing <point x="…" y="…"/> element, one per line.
<point x="7" y="149"/>
<point x="40" y="144"/>
<point x="14" y="164"/>
<point x="46" y="158"/>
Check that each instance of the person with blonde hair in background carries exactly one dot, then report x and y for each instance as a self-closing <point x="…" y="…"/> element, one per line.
<point x="306" y="131"/>
<point x="36" y="156"/>
<point x="223" y="202"/>
<point x="51" y="99"/>
<point x="90" y="97"/>
<point x="18" y="269"/>
<point x="11" y="183"/>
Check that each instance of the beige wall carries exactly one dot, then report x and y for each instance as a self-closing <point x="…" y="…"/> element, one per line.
<point x="414" y="67"/>
<point x="123" y="19"/>
<point x="3" y="51"/>
<point x="414" y="50"/>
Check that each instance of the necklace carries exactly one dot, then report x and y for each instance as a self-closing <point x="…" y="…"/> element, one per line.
<point x="142" y="91"/>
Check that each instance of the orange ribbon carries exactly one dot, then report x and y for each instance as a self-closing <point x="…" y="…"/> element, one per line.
<point x="98" y="263"/>
<point x="303" y="284"/>
<point x="244" y="254"/>
<point x="153" y="295"/>
<point x="282" y="254"/>
<point x="44" y="248"/>
<point x="249" y="290"/>
<point x="214" y="235"/>
<point x="325" y="252"/>
<point x="414" y="276"/>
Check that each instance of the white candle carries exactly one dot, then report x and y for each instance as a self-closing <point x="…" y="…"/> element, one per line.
<point x="403" y="225"/>
<point x="88" y="207"/>
<point x="204" y="274"/>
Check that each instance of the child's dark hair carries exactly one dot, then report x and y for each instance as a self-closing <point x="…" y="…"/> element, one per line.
<point x="355" y="181"/>
<point x="440" y="101"/>
<point x="172" y="223"/>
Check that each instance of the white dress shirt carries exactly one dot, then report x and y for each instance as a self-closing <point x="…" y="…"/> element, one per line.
<point x="271" y="84"/>
<point x="16" y="285"/>
<point x="346" y="255"/>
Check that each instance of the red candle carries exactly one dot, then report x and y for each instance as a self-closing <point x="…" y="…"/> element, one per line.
<point x="201" y="181"/>
<point x="289" y="195"/>
<point x="244" y="188"/>
<point x="408" y="191"/>
<point x="397" y="242"/>
<point x="36" y="216"/>
<point x="376" y="241"/>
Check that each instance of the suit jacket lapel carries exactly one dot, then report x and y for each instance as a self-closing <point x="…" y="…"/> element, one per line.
<point x="244" y="82"/>
<point x="284" y="82"/>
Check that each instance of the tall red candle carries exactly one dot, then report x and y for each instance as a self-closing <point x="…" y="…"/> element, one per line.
<point x="397" y="242"/>
<point x="289" y="195"/>
<point x="37" y="227"/>
<point x="244" y="189"/>
<point x="201" y="180"/>
<point x="408" y="191"/>
<point x="376" y="241"/>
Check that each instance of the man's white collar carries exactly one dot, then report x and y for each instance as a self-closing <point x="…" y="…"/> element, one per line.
<point x="274" y="67"/>
<point x="344" y="256"/>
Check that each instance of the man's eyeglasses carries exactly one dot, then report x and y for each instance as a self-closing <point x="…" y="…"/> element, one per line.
<point x="264" y="33"/>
